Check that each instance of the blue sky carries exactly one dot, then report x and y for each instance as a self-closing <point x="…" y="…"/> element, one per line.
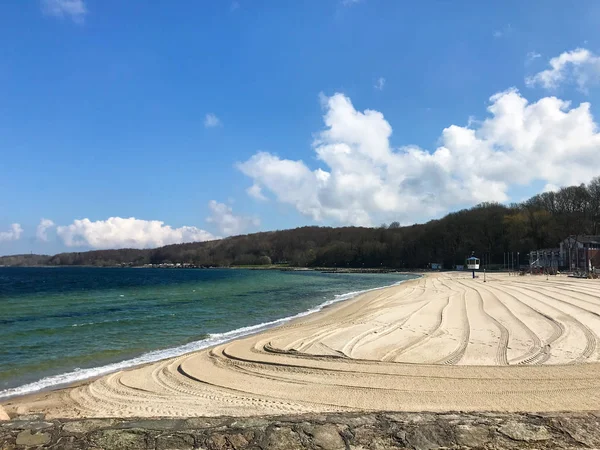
<point x="151" y="110"/>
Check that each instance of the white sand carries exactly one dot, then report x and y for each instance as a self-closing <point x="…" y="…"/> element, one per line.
<point x="443" y="342"/>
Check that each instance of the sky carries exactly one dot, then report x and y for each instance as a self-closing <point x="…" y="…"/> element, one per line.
<point x="140" y="124"/>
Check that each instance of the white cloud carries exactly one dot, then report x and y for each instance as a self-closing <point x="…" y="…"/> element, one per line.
<point x="255" y="191"/>
<point x="531" y="56"/>
<point x="211" y="121"/>
<point x="117" y="232"/>
<point x="579" y="66"/>
<point x="505" y="31"/>
<point x="42" y="229"/>
<point x="13" y="234"/>
<point x="380" y="83"/>
<point x="75" y="9"/>
<point x="364" y="181"/>
<point x="549" y="187"/>
<point x="228" y="223"/>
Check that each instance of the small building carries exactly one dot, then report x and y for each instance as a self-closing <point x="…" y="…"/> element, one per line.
<point x="436" y="266"/>
<point x="546" y="258"/>
<point x="472" y="263"/>
<point x="580" y="252"/>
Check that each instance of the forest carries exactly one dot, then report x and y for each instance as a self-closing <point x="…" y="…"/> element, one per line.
<point x="488" y="229"/>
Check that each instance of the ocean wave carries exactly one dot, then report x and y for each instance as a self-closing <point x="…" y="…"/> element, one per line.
<point x="158" y="355"/>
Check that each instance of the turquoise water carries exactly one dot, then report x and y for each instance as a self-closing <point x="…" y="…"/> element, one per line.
<point x="60" y="325"/>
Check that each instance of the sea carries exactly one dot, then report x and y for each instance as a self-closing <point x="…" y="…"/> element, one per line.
<point x="66" y="324"/>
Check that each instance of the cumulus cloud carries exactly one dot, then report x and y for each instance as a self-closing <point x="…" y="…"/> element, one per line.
<point x="42" y="229"/>
<point x="363" y="180"/>
<point x="74" y="9"/>
<point x="211" y="121"/>
<point x="380" y="83"/>
<point x="255" y="191"/>
<point x="227" y="222"/>
<point x="117" y="232"/>
<point x="13" y="234"/>
<point x="549" y="187"/>
<point x="579" y="66"/>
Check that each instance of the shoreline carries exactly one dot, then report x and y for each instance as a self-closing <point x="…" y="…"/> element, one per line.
<point x="50" y="383"/>
<point x="401" y="348"/>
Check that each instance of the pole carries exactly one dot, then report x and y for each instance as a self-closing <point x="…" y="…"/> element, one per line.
<point x="518" y="265"/>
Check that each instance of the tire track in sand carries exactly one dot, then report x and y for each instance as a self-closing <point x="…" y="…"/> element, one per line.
<point x="456" y="355"/>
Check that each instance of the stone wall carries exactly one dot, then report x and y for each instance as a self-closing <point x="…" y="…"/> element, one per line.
<point x="363" y="431"/>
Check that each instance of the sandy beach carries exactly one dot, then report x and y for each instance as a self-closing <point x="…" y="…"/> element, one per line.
<point x="442" y="342"/>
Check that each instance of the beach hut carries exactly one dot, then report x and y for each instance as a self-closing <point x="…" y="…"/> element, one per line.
<point x="472" y="264"/>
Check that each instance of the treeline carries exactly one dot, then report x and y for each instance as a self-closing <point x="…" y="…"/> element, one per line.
<point x="489" y="229"/>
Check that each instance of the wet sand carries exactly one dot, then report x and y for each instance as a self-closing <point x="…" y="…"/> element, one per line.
<point x="442" y="342"/>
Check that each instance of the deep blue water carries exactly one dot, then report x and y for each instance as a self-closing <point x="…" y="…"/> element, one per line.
<point x="60" y="325"/>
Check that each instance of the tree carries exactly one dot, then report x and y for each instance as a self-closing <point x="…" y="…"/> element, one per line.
<point x="594" y="196"/>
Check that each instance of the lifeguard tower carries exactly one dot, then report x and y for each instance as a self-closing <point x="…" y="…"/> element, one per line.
<point x="473" y="264"/>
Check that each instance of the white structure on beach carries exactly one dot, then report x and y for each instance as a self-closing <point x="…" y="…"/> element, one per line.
<point x="546" y="257"/>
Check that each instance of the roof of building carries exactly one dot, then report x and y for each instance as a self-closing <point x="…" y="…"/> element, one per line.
<point x="586" y="239"/>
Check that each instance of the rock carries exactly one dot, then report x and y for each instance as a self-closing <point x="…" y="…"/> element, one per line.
<point x="519" y="431"/>
<point x="472" y="436"/>
<point x="250" y="422"/>
<point x="217" y="442"/>
<point x="85" y="426"/>
<point x="410" y="417"/>
<point x="378" y="444"/>
<point x="429" y="436"/>
<point x="364" y="434"/>
<point x="175" y="442"/>
<point x="326" y="437"/>
<point x="238" y="440"/>
<point x="151" y="424"/>
<point x="584" y="430"/>
<point x="227" y="441"/>
<point x="119" y="439"/>
<point x="196" y="423"/>
<point x="354" y="431"/>
<point x="69" y="443"/>
<point x="360" y="421"/>
<point x="29" y="439"/>
<point x="3" y="414"/>
<point x="31" y="417"/>
<point x="282" y="439"/>
<point x="27" y="425"/>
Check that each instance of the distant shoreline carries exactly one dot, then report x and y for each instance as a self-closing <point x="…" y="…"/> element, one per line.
<point x="272" y="267"/>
